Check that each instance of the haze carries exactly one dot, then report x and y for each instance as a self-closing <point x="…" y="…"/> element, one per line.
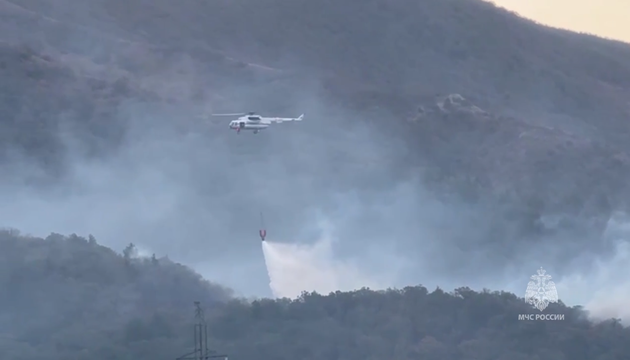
<point x="340" y="183"/>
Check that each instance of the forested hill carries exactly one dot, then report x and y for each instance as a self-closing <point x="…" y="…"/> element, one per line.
<point x="70" y="298"/>
<point x="63" y="295"/>
<point x="557" y="100"/>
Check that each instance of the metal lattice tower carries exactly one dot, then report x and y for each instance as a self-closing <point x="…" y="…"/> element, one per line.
<point x="201" y="352"/>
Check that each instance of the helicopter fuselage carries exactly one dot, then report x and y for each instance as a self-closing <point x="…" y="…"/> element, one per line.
<point x="255" y="126"/>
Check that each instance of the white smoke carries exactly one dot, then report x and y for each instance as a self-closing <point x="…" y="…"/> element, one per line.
<point x="605" y="290"/>
<point x="294" y="268"/>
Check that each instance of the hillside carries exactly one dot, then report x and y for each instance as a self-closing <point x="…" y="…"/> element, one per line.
<point x="67" y="296"/>
<point x="86" y="284"/>
<point x="72" y="298"/>
<point x="525" y="74"/>
<point x="418" y="48"/>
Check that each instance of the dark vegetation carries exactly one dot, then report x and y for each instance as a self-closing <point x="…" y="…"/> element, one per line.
<point x="534" y="105"/>
<point x="70" y="298"/>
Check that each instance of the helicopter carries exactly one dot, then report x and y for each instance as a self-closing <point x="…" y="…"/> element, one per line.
<point x="254" y="122"/>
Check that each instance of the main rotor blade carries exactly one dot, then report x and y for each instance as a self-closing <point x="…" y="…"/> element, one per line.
<point x="235" y="114"/>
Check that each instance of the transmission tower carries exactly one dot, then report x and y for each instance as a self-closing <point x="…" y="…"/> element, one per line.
<point x="201" y="352"/>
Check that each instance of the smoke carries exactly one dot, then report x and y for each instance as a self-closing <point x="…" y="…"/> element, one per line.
<point x="297" y="267"/>
<point x="340" y="210"/>
<point x="604" y="289"/>
<point x="294" y="268"/>
<point x="193" y="190"/>
<point x="336" y="191"/>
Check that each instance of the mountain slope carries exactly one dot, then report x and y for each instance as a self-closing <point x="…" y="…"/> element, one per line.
<point x="411" y="47"/>
<point x="43" y="97"/>
<point x="548" y="77"/>
<point x="550" y="140"/>
<point x="405" y="49"/>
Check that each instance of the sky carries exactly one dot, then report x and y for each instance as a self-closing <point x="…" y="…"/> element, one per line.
<point x="606" y="18"/>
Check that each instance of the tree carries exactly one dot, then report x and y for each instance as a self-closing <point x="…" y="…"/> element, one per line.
<point x="130" y="252"/>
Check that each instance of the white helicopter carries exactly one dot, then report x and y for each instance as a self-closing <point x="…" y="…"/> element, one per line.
<point x="254" y="122"/>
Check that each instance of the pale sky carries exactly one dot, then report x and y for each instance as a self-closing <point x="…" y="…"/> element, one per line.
<point x="606" y="18"/>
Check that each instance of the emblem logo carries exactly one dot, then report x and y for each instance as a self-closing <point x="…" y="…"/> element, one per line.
<point x="541" y="291"/>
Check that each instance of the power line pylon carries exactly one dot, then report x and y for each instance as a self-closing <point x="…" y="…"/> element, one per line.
<point x="201" y="352"/>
